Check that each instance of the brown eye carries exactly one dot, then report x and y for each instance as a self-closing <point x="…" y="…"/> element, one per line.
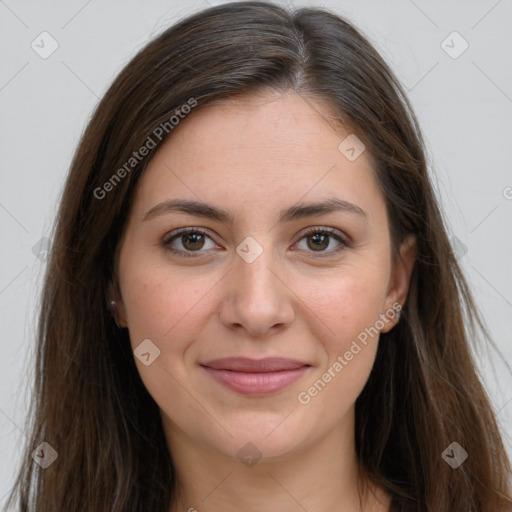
<point x="318" y="240"/>
<point x="192" y="241"/>
<point x="188" y="241"/>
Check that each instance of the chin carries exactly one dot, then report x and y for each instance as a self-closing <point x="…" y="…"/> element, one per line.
<point x="269" y="438"/>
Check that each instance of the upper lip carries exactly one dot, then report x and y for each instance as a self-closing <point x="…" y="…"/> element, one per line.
<point x="245" y="364"/>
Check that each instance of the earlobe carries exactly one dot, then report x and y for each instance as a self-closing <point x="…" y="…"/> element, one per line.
<point x="116" y="305"/>
<point x="400" y="278"/>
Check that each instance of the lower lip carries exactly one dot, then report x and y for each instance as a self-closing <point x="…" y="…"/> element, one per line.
<point x="256" y="384"/>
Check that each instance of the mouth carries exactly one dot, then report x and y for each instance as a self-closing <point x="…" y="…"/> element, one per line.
<point x="255" y="377"/>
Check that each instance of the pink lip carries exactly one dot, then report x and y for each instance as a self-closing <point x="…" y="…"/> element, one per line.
<point x="255" y="377"/>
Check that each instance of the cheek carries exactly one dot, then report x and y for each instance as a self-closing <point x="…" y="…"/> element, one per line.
<point x="347" y="304"/>
<point x="350" y="307"/>
<point x="163" y="306"/>
<point x="166" y="309"/>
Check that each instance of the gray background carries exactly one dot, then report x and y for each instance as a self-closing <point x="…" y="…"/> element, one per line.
<point x="464" y="105"/>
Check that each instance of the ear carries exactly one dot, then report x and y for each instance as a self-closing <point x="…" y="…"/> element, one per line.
<point x="400" y="279"/>
<point x="118" y="309"/>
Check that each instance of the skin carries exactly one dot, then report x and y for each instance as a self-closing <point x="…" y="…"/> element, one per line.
<point x="254" y="156"/>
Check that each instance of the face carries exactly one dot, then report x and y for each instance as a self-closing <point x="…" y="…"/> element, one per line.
<point x="295" y="294"/>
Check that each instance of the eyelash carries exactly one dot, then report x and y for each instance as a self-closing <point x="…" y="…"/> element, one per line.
<point x="323" y="231"/>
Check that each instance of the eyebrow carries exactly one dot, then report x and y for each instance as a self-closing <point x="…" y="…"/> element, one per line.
<point x="295" y="212"/>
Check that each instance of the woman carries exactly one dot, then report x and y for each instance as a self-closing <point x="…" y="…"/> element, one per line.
<point x="251" y="301"/>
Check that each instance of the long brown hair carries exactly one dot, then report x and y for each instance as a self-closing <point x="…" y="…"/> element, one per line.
<point x="89" y="402"/>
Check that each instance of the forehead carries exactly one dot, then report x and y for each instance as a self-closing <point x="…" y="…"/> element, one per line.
<point x="284" y="126"/>
<point x="265" y="149"/>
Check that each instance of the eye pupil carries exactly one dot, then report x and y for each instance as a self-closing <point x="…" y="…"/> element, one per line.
<point x="321" y="238"/>
<point x="196" y="237"/>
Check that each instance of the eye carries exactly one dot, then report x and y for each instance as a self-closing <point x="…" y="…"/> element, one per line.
<point x="317" y="240"/>
<point x="190" y="239"/>
<point x="193" y="240"/>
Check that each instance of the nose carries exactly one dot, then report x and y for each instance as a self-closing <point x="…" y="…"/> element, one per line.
<point x="257" y="297"/>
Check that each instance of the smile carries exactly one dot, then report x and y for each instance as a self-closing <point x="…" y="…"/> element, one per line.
<point x="256" y="377"/>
